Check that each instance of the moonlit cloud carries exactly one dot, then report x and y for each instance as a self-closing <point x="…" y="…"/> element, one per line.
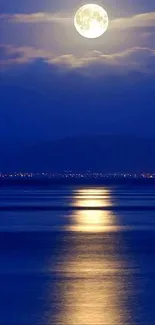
<point x="55" y="32"/>
<point x="93" y="63"/>
<point x="136" y="21"/>
<point x="18" y="55"/>
<point x="38" y="17"/>
<point x="140" y="60"/>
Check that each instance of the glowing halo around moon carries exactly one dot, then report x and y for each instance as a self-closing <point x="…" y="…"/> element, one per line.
<point x="91" y="21"/>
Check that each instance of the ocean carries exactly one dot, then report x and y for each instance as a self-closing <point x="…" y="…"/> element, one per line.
<point x="77" y="255"/>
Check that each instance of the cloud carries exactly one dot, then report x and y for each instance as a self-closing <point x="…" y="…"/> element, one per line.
<point x="137" y="21"/>
<point x="18" y="55"/>
<point x="138" y="60"/>
<point x="93" y="63"/>
<point x="38" y="17"/>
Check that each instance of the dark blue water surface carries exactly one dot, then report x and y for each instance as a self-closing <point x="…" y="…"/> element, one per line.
<point x="84" y="264"/>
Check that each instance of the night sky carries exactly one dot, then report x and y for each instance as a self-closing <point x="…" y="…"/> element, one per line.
<point x="55" y="83"/>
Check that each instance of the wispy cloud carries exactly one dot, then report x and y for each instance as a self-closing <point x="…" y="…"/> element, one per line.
<point x="140" y="20"/>
<point x="38" y="17"/>
<point x="135" y="59"/>
<point x="137" y="21"/>
<point x="17" y="55"/>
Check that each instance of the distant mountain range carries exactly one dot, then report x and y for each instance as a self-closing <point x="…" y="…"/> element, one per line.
<point x="104" y="153"/>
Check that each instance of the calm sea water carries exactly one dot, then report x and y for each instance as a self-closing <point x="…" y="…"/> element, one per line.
<point x="80" y="265"/>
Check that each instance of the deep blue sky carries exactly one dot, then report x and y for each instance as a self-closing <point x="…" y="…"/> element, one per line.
<point x="54" y="83"/>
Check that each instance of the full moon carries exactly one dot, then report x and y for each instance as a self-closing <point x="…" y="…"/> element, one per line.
<point x="91" y="21"/>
